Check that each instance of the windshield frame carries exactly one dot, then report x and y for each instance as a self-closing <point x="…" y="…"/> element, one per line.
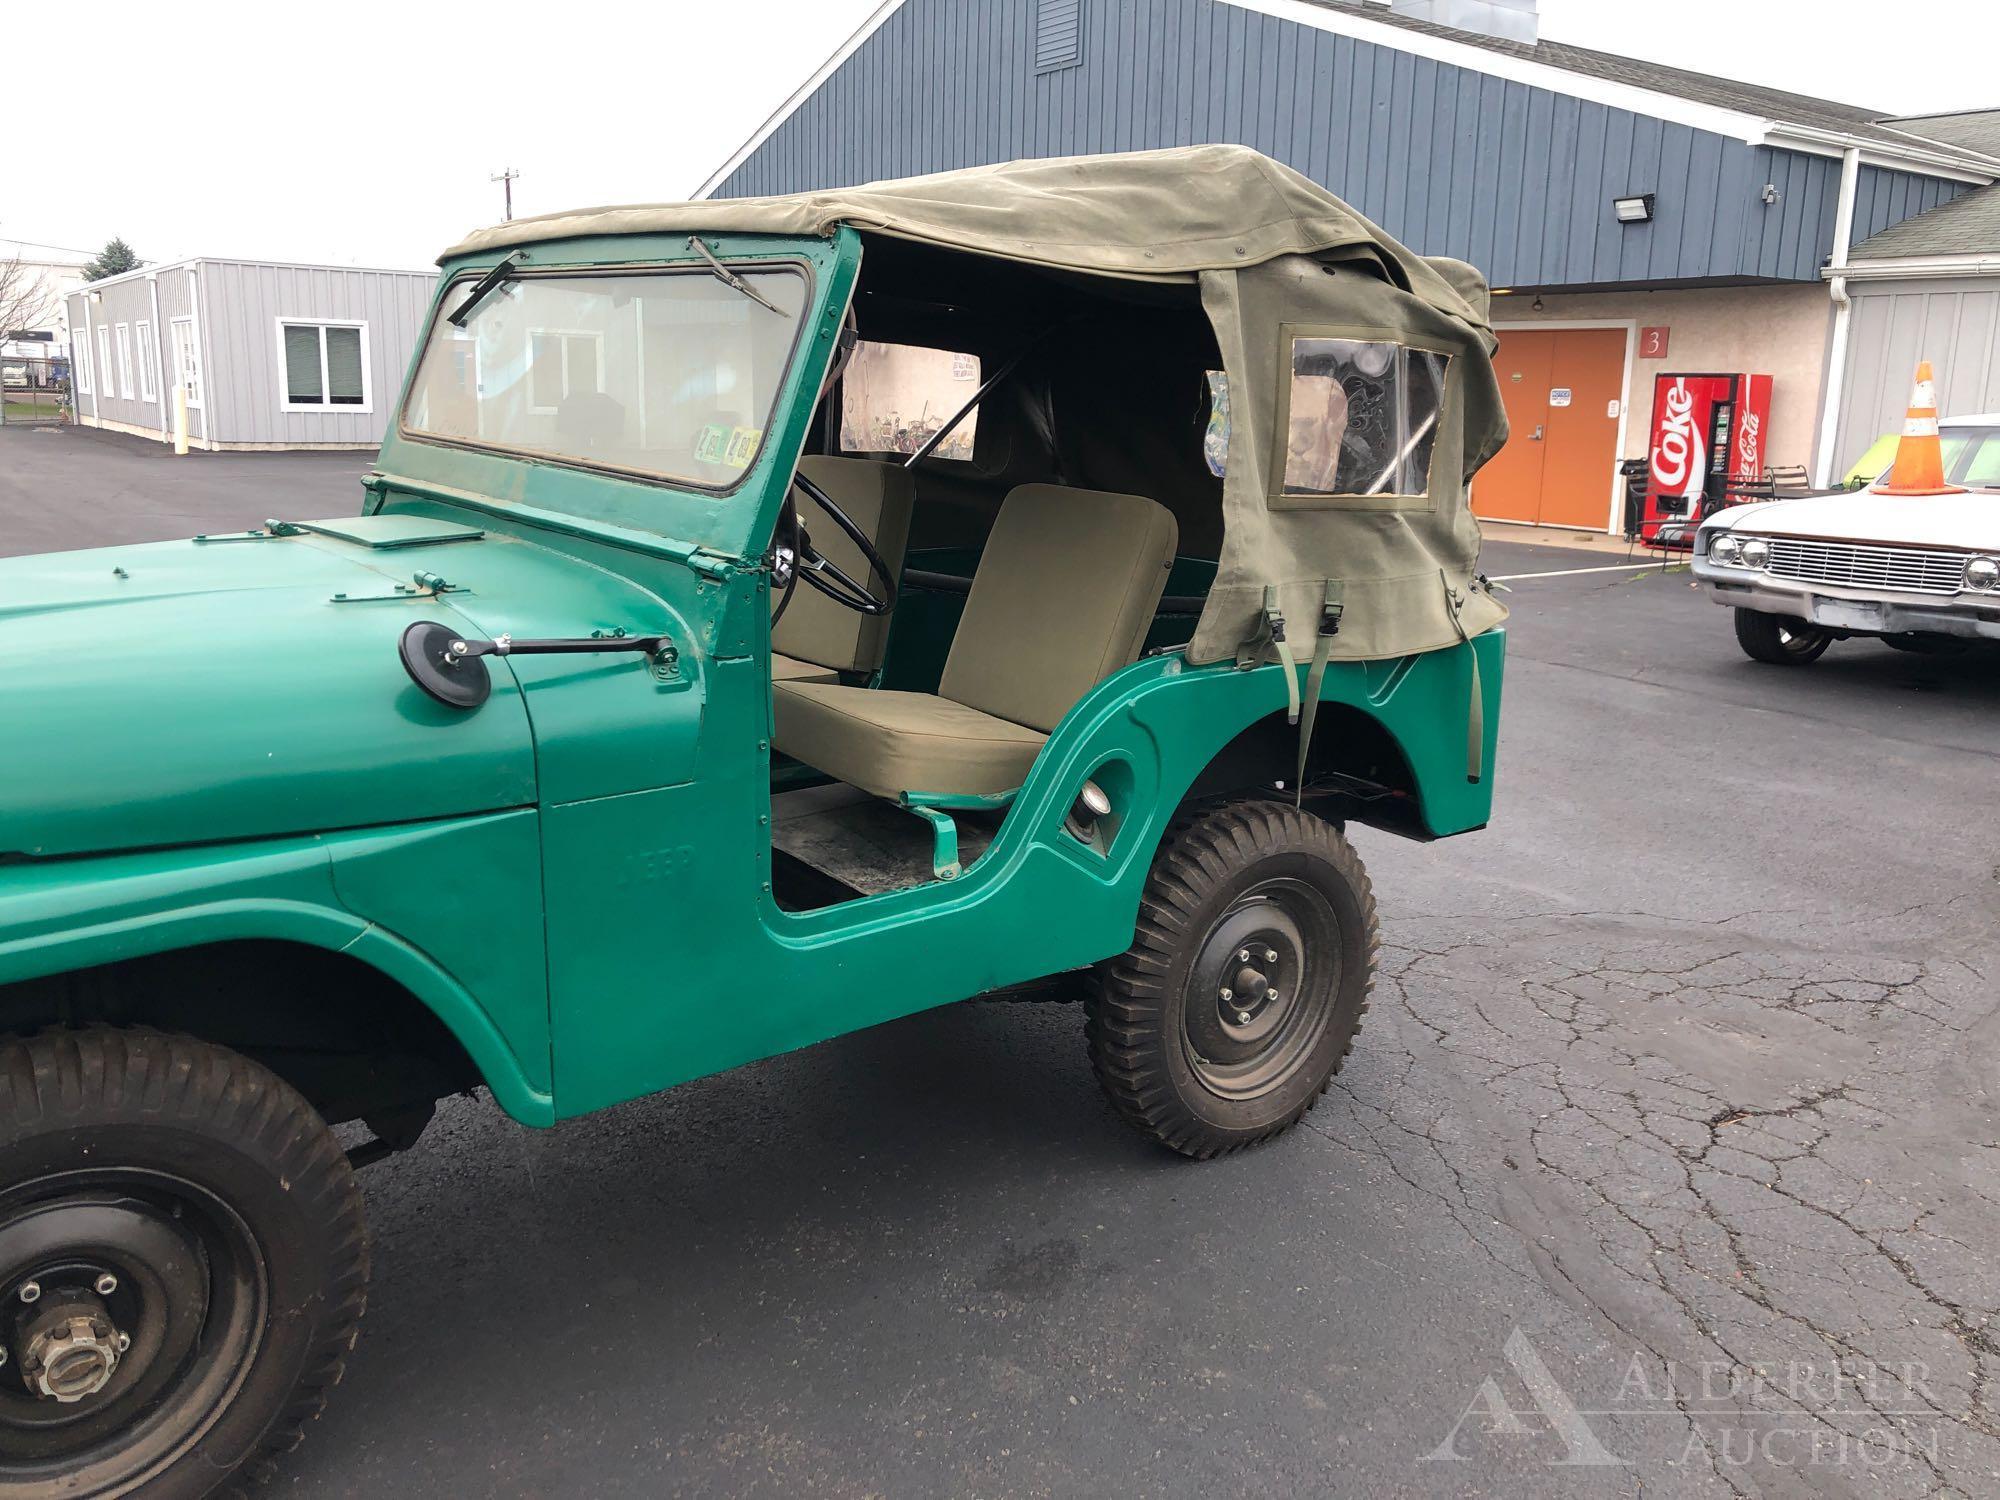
<point x="445" y="300"/>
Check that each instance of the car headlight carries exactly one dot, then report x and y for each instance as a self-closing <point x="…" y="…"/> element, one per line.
<point x="1726" y="550"/>
<point x="1983" y="573"/>
<point x="1756" y="552"/>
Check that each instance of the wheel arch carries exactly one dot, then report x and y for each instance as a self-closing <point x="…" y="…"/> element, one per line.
<point x="335" y="956"/>
<point x="1357" y="769"/>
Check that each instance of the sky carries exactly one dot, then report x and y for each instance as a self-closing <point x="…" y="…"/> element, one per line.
<point x="367" y="133"/>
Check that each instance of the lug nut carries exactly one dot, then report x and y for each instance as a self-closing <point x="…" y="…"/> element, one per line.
<point x="1243" y="955"/>
<point x="106" y="1284"/>
<point x="31" y="1291"/>
<point x="1270" y="955"/>
<point x="1273" y="997"/>
<point x="1243" y="1018"/>
<point x="124" y="1342"/>
<point x="1228" y="994"/>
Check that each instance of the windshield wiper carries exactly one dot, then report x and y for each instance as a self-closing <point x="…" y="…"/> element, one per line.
<point x="729" y="277"/>
<point x="502" y="272"/>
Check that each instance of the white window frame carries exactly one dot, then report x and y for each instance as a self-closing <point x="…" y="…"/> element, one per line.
<point x="124" y="335"/>
<point x="104" y="366"/>
<point x="328" y="406"/>
<point x="194" y="358"/>
<point x="596" y="337"/>
<point x="80" y="360"/>
<point x="149" y="359"/>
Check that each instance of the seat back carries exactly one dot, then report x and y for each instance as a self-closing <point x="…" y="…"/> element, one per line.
<point x="1065" y="591"/>
<point x="877" y="497"/>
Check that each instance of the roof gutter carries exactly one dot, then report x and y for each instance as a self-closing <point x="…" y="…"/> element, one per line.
<point x="1843" y="311"/>
<point x="1920" y="267"/>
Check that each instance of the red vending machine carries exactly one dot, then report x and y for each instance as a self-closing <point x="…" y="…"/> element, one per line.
<point x="1707" y="438"/>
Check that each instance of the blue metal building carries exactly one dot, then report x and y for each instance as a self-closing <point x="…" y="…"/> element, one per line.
<point x="1596" y="192"/>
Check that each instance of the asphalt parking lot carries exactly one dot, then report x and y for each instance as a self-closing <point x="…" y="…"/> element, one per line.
<point x="1667" y="1163"/>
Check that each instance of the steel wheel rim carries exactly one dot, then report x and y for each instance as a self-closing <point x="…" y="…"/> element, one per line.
<point x="1291" y="933"/>
<point x="1798" y="640"/>
<point x="189" y="1293"/>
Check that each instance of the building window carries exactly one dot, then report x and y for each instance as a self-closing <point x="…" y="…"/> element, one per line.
<point x="895" y="396"/>
<point x="80" y="361"/>
<point x="562" y="363"/>
<point x="1058" y="34"/>
<point x="149" y="362"/>
<point x="322" y="365"/>
<point x="125" y="361"/>
<point x="104" y="365"/>
<point x="1362" y="418"/>
<point x="187" y="364"/>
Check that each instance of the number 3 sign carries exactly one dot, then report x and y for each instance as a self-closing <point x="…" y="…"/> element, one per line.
<point x="1653" y="343"/>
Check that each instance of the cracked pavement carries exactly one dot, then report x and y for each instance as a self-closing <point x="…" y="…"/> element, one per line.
<point x="1667" y="1163"/>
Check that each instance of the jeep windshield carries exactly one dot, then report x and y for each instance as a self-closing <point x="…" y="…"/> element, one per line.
<point x="667" y="374"/>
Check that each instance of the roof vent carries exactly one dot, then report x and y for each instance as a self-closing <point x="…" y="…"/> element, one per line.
<point x="1508" y="20"/>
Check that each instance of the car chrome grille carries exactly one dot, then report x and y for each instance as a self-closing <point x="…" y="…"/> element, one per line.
<point x="1906" y="570"/>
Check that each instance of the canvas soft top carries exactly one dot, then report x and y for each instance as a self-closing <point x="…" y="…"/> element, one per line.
<point x="1277" y="259"/>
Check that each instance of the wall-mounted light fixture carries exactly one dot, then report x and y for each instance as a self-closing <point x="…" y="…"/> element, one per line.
<point x="1536" y="305"/>
<point x="1634" y="210"/>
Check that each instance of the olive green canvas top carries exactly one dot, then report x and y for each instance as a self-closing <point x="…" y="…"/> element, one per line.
<point x="1361" y="394"/>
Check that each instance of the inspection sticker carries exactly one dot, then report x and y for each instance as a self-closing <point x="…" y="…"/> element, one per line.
<point x="1560" y="396"/>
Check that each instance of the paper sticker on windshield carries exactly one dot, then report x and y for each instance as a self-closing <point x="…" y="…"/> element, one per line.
<point x="711" y="443"/>
<point x="742" y="448"/>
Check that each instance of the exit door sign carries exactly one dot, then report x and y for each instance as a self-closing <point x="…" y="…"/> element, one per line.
<point x="1653" y="343"/>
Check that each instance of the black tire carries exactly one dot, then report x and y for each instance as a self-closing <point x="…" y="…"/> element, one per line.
<point x="1236" y="878"/>
<point x="1927" y="645"/>
<point x="220" y="1220"/>
<point x="1780" y="640"/>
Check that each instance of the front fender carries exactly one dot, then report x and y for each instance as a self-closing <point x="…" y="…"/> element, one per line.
<point x="62" y="915"/>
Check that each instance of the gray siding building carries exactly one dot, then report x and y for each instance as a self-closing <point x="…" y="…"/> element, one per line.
<point x="1604" y="197"/>
<point x="268" y="355"/>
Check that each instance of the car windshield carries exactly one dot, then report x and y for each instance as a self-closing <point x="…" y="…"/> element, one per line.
<point x="1971" y="458"/>
<point x="668" y="374"/>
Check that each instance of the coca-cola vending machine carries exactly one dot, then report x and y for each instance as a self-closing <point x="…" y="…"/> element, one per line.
<point x="1707" y="439"/>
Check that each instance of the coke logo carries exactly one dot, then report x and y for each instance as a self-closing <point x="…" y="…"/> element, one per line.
<point x="1677" y="453"/>
<point x="1749" y="457"/>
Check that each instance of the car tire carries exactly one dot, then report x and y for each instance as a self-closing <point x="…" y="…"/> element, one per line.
<point x="191" y="1234"/>
<point x="1246" y="981"/>
<point x="1781" y="640"/>
<point x="1927" y="645"/>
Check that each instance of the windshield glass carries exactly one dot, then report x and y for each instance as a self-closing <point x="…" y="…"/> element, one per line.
<point x="1977" y="461"/>
<point x="666" y="374"/>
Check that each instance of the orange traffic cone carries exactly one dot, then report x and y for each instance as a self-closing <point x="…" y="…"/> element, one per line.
<point x="1919" y="465"/>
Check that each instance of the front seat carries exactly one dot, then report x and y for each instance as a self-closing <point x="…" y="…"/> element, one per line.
<point x="816" y="639"/>
<point x="1064" y="594"/>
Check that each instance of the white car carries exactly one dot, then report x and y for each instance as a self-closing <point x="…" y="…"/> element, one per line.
<point x="1921" y="572"/>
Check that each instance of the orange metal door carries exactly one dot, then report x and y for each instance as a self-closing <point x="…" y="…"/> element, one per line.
<point x="1509" y="488"/>
<point x="1580" y="457"/>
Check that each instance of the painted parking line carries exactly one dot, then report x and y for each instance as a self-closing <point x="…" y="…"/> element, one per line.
<point x="1630" y="567"/>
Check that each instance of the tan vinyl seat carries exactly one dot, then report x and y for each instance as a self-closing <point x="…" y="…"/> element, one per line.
<point x="817" y="639"/>
<point x="1065" y="591"/>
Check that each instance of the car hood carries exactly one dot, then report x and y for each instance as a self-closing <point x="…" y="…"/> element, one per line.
<point x="1970" y="521"/>
<point x="206" y="690"/>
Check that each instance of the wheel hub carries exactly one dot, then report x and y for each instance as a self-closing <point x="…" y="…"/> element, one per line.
<point x="71" y="1352"/>
<point x="1248" y="1016"/>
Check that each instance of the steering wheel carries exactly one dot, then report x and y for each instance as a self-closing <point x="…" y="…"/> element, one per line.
<point x="794" y="557"/>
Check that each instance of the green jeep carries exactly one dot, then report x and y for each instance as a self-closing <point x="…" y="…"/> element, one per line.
<point x="766" y="619"/>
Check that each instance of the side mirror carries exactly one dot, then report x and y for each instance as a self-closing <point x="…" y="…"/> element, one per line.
<point x="450" y="668"/>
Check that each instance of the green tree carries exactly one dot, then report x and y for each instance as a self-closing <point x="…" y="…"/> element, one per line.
<point x="114" y="259"/>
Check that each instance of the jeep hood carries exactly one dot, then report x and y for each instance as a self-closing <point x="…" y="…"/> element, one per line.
<point x="1970" y="521"/>
<point x="210" y="690"/>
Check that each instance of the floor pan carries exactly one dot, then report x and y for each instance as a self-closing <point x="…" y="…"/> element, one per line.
<point x="864" y="843"/>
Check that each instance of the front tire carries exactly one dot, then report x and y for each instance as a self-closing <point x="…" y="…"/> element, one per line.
<point x="182" y="1265"/>
<point x="1246" y="981"/>
<point x="1780" y="640"/>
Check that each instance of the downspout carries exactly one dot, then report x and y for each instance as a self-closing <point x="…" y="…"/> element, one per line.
<point x="90" y="343"/>
<point x="1843" y="309"/>
<point x="159" y="369"/>
<point x="206" y="371"/>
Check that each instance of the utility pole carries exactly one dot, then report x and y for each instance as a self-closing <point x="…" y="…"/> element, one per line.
<point x="506" y="181"/>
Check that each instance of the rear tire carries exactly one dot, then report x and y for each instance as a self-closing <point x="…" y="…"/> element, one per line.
<point x="192" y="1236"/>
<point x="1780" y="640"/>
<point x="1246" y="981"/>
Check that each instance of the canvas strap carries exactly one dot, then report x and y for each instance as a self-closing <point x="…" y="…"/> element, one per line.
<point x="1475" y="717"/>
<point x="1330" y="610"/>
<point x="1269" y="639"/>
